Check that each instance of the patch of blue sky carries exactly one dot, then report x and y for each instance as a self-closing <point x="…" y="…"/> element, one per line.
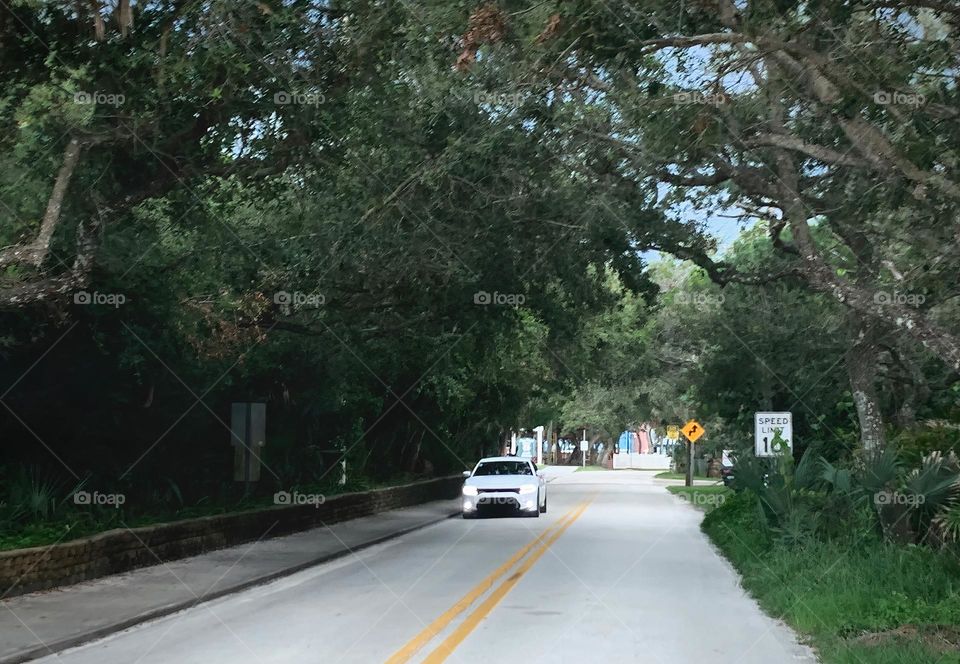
<point x="692" y="70"/>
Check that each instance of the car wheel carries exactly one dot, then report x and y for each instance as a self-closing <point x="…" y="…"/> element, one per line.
<point x="543" y="510"/>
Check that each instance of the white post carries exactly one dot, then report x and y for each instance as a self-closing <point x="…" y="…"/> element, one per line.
<point x="583" y="450"/>
<point x="539" y="431"/>
<point x="513" y="442"/>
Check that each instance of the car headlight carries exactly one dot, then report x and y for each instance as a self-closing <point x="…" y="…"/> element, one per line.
<point x="528" y="488"/>
<point x="469" y="490"/>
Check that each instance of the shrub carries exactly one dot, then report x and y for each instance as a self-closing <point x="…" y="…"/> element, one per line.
<point x="915" y="443"/>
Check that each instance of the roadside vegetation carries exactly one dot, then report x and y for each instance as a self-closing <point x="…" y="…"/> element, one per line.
<point x="410" y="228"/>
<point x="861" y="557"/>
<point x="670" y="475"/>
<point x="706" y="498"/>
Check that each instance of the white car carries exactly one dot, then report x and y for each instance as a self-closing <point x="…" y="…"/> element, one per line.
<point x="507" y="482"/>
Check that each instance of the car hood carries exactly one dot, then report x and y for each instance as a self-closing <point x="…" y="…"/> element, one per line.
<point x="500" y="481"/>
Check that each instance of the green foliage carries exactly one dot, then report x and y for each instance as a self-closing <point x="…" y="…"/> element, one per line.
<point x="872" y="495"/>
<point x="706" y="498"/>
<point x="333" y="258"/>
<point x="915" y="443"/>
<point x="878" y="471"/>
<point x="30" y="495"/>
<point x="947" y="523"/>
<point x="833" y="591"/>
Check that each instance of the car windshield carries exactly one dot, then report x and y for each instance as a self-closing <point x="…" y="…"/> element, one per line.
<point x="503" y="468"/>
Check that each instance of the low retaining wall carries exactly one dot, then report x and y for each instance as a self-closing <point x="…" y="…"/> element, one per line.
<point x="113" y="551"/>
<point x="641" y="461"/>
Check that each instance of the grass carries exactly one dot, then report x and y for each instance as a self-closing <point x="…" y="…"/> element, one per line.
<point x="707" y="498"/>
<point x="670" y="475"/>
<point x="856" y="601"/>
<point x="589" y="469"/>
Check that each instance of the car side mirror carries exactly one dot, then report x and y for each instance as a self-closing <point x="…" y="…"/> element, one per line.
<point x="540" y="474"/>
<point x="466" y="473"/>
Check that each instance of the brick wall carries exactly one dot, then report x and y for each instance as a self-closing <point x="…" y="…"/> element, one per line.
<point x="37" y="568"/>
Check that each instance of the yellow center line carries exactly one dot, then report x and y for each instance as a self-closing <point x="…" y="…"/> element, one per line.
<point x="471" y="622"/>
<point x="434" y="628"/>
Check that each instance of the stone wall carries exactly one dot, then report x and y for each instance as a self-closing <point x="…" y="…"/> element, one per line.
<point x="37" y="568"/>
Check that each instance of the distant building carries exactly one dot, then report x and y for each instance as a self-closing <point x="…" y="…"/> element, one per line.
<point x="629" y="443"/>
<point x="527" y="447"/>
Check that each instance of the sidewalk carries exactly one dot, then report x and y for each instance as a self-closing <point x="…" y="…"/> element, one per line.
<point x="45" y="622"/>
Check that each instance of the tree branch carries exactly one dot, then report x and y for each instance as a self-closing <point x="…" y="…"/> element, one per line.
<point x="818" y="152"/>
<point x="53" y="288"/>
<point x="35" y="253"/>
<point x="719" y="273"/>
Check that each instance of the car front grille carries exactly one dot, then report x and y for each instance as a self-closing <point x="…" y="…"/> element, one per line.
<point x="497" y="490"/>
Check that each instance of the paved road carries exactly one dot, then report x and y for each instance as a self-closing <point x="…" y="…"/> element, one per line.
<point x="620" y="572"/>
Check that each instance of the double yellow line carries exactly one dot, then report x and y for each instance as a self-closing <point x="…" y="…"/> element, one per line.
<point x="539" y="546"/>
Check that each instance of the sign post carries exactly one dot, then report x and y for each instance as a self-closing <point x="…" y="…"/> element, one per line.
<point x="772" y="433"/>
<point x="248" y="425"/>
<point x="692" y="432"/>
<point x="673" y="435"/>
<point x="583" y="450"/>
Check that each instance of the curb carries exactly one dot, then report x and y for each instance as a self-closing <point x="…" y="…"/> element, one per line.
<point x="54" y="647"/>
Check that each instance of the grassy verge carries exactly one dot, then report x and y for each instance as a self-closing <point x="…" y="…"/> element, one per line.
<point x="707" y="498"/>
<point x="862" y="601"/>
<point x="669" y="475"/>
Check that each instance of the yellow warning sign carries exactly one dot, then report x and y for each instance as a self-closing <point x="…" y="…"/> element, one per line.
<point x="692" y="431"/>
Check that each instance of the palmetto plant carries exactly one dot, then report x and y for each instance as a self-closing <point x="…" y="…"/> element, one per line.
<point x="946" y="524"/>
<point x="879" y="471"/>
<point x="32" y="496"/>
<point x="935" y="481"/>
<point x="838" y="480"/>
<point x="786" y="493"/>
<point x="935" y="489"/>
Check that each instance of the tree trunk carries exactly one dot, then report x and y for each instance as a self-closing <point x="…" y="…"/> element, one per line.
<point x="99" y="30"/>
<point x="861" y="360"/>
<point x="35" y="252"/>
<point x="910" y="389"/>
<point x="124" y="17"/>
